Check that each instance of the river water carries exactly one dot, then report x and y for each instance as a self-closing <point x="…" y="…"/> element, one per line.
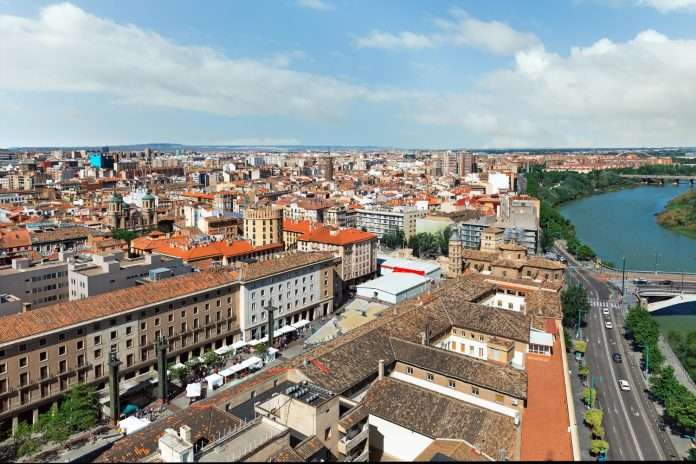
<point x="622" y="224"/>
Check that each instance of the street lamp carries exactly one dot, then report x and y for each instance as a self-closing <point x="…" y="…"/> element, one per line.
<point x="623" y="275"/>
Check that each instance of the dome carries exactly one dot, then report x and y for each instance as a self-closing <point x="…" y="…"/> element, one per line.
<point x="148" y="197"/>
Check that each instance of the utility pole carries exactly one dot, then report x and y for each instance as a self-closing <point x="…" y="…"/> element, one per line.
<point x="623" y="275"/>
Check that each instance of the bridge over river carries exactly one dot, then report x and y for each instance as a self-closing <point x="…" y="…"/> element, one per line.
<point x="669" y="300"/>
<point x="660" y="179"/>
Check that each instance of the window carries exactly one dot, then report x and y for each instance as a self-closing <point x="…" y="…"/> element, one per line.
<point x="63" y="366"/>
<point x="97" y="340"/>
<point x="129" y="343"/>
<point x="452" y="384"/>
<point x="3" y="368"/>
<point x="114" y="348"/>
<point x="475" y="391"/>
<point x="327" y="434"/>
<point x="429" y="377"/>
<point x="23" y="362"/>
<point x="170" y="318"/>
<point x="80" y="360"/>
<point x="157" y="321"/>
<point x="129" y="330"/>
<point x="97" y="353"/>
<point x="80" y="345"/>
<point x="97" y="372"/>
<point x="23" y="379"/>
<point x="409" y="370"/>
<point x="143" y="325"/>
<point x="113" y="335"/>
<point x="43" y="356"/>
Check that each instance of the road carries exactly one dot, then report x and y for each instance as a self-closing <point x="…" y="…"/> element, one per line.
<point x="630" y="420"/>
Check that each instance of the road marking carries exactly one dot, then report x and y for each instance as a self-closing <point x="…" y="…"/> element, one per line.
<point x="613" y="374"/>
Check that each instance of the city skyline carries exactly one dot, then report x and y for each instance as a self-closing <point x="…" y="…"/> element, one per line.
<point x="318" y="73"/>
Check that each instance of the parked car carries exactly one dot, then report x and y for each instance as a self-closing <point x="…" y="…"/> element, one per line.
<point x="608" y="325"/>
<point x="617" y="357"/>
<point x="623" y="385"/>
<point x="665" y="282"/>
<point x="605" y="311"/>
<point x="639" y="281"/>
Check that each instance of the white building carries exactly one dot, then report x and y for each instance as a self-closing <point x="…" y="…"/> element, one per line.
<point x="428" y="269"/>
<point x="108" y="272"/>
<point x="394" y="288"/>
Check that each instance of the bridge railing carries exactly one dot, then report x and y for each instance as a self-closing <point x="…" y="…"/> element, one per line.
<point x="639" y="271"/>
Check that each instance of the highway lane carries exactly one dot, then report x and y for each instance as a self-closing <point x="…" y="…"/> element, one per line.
<point x="630" y="424"/>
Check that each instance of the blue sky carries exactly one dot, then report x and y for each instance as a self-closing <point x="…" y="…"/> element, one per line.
<point x="407" y="73"/>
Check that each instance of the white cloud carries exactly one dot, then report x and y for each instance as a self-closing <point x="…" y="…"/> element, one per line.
<point x="461" y="29"/>
<point x="69" y="50"/>
<point x="315" y="4"/>
<point x="638" y="92"/>
<point x="666" y="6"/>
<point x="377" y="39"/>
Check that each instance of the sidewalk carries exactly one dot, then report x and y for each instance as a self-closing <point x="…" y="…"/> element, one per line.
<point x="679" y="372"/>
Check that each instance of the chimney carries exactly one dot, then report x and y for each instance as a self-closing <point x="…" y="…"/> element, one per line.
<point x="26" y="307"/>
<point x="380" y="369"/>
<point x="185" y="433"/>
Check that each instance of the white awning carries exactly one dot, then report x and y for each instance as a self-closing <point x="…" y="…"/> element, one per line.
<point x="253" y="362"/>
<point x="285" y="329"/>
<point x="256" y="342"/>
<point x="214" y="380"/>
<point x="239" y="344"/>
<point x="193" y="390"/>
<point x="222" y="350"/>
<point x="230" y="370"/>
<point x="132" y="424"/>
<point x="272" y="350"/>
<point x="541" y="338"/>
<point x="301" y="323"/>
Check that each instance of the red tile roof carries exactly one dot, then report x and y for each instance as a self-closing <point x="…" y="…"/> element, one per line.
<point x="545" y="426"/>
<point x="297" y="227"/>
<point x="15" y="238"/>
<point x="339" y="237"/>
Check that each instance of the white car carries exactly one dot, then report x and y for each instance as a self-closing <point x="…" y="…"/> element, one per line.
<point x="623" y="385"/>
<point x="605" y="311"/>
<point x="608" y="325"/>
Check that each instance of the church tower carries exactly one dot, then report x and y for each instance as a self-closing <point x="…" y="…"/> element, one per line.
<point x="456" y="248"/>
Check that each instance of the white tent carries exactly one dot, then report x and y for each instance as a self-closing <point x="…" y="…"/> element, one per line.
<point x="193" y="390"/>
<point x="253" y="363"/>
<point x="223" y="350"/>
<point x="132" y="424"/>
<point x="214" y="380"/>
<point x="239" y="344"/>
<point x="256" y="342"/>
<point x="285" y="329"/>
<point x="272" y="353"/>
<point x="301" y="323"/>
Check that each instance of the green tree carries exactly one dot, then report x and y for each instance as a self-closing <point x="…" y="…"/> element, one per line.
<point x="589" y="395"/>
<point x="692" y="455"/>
<point x="394" y="238"/>
<point x="683" y="410"/>
<point x="80" y="407"/>
<point x="664" y="385"/>
<point x="594" y="417"/>
<point x="180" y="373"/>
<point x="261" y="348"/>
<point x="599" y="446"/>
<point x="583" y="372"/>
<point x="574" y="300"/>
<point x="23" y="440"/>
<point x="124" y="234"/>
<point x="580" y="346"/>
<point x="210" y="358"/>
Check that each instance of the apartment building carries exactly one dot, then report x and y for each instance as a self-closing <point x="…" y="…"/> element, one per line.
<point x="113" y="271"/>
<point x="263" y="225"/>
<point x="392" y="390"/>
<point x="293" y="287"/>
<point x="48" y="241"/>
<point x="36" y="283"/>
<point x="357" y="250"/>
<point x="45" y="351"/>
<point x="381" y="220"/>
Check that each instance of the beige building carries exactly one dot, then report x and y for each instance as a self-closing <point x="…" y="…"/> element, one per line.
<point x="263" y="225"/>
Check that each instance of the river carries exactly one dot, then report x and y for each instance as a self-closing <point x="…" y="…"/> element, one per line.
<point x="622" y="224"/>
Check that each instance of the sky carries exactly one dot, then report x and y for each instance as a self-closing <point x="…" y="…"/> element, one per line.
<point x="394" y="73"/>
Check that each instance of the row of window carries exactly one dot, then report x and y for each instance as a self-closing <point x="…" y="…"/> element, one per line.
<point x="430" y="377"/>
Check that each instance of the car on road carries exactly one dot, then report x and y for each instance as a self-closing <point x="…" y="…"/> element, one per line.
<point x="661" y="425"/>
<point x="608" y="325"/>
<point x="665" y="282"/>
<point x="639" y="281"/>
<point x="617" y="357"/>
<point x="605" y="311"/>
<point x="623" y="385"/>
<point x="563" y="260"/>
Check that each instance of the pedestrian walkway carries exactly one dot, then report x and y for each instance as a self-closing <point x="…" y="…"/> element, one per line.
<point x="679" y="372"/>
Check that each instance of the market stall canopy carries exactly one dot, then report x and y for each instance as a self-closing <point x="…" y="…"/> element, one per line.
<point x="132" y="424"/>
<point x="193" y="390"/>
<point x="214" y="380"/>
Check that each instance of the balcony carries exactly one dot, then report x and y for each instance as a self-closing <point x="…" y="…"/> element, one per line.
<point x="353" y="438"/>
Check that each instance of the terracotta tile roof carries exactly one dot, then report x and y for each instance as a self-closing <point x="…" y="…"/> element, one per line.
<point x="181" y="247"/>
<point x="545" y="425"/>
<point x="340" y="237"/>
<point x="309" y="447"/>
<point x="456" y="450"/>
<point x="283" y="262"/>
<point x="297" y="227"/>
<point x="487" y="256"/>
<point x="501" y="378"/>
<point x="14" y="238"/>
<point x="205" y="421"/>
<point x="439" y="416"/>
<point x="543" y="263"/>
<point x="544" y="304"/>
<point x="16" y="326"/>
<point x="64" y="233"/>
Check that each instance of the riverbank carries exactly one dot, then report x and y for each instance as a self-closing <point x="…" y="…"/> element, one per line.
<point x="679" y="214"/>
